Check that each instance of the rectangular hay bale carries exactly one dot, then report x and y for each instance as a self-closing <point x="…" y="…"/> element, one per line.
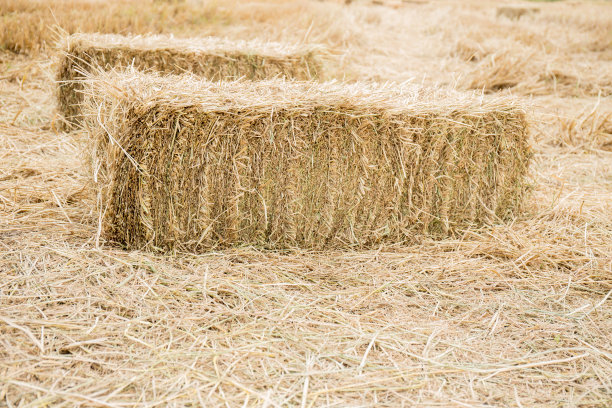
<point x="187" y="164"/>
<point x="211" y="58"/>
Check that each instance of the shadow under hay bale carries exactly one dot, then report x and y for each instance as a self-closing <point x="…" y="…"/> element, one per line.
<point x="212" y="58"/>
<point x="194" y="165"/>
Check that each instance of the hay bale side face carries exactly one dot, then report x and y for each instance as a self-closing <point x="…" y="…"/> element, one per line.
<point x="329" y="176"/>
<point x="213" y="59"/>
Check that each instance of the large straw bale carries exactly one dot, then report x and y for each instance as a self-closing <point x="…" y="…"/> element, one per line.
<point x="183" y="163"/>
<point x="210" y="57"/>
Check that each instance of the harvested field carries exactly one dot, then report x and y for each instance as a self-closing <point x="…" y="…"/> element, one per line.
<point x="518" y="314"/>
<point x="194" y="165"/>
<point x="213" y="58"/>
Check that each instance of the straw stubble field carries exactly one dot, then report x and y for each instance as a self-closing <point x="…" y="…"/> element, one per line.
<point x="517" y="314"/>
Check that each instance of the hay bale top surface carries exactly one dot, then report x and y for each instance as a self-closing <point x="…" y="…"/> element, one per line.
<point x="201" y="45"/>
<point x="187" y="91"/>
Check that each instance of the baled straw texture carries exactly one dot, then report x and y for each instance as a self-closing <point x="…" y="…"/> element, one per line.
<point x="194" y="165"/>
<point x="212" y="58"/>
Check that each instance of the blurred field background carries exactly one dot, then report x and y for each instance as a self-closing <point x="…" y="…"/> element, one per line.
<point x="519" y="314"/>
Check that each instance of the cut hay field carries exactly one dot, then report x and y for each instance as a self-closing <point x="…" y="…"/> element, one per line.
<point x="518" y="313"/>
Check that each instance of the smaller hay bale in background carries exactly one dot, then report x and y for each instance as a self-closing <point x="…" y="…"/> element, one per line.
<point x="194" y="165"/>
<point x="516" y="12"/>
<point x="211" y="58"/>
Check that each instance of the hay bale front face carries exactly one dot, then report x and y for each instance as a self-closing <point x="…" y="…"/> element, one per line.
<point x="277" y="165"/>
<point x="211" y="58"/>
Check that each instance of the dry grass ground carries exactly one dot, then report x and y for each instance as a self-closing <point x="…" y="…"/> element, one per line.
<point x="515" y="315"/>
